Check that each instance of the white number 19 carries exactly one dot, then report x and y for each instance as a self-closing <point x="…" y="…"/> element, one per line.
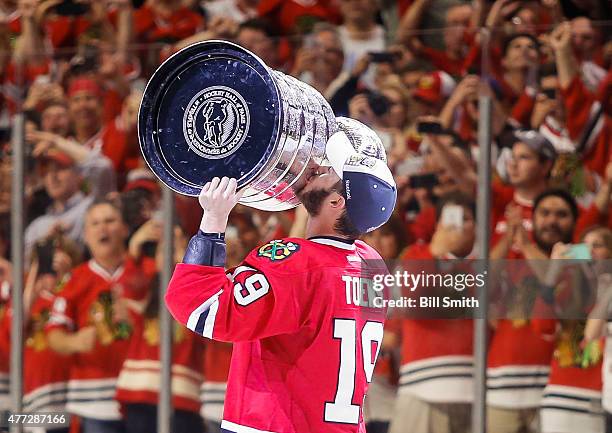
<point x="342" y="410"/>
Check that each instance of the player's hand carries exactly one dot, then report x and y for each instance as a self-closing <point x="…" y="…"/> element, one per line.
<point x="218" y="198"/>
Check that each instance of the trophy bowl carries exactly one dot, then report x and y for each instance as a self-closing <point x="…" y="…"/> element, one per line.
<point x="215" y="109"/>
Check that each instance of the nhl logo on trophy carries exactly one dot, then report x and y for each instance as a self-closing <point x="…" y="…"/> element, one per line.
<point x="215" y="109"/>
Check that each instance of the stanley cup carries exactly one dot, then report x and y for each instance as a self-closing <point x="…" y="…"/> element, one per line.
<point x="215" y="109"/>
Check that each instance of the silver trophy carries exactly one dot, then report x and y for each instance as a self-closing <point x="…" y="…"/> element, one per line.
<point x="215" y="109"/>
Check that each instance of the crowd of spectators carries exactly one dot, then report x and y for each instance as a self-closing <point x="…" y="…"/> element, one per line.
<point x="413" y="70"/>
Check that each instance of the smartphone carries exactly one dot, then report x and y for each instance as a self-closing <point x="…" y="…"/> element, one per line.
<point x="382" y="56"/>
<point x="579" y="252"/>
<point x="550" y="93"/>
<point x="44" y="254"/>
<point x="426" y="181"/>
<point x="452" y="216"/>
<point x="410" y="166"/>
<point x="433" y="128"/>
<point x="71" y="8"/>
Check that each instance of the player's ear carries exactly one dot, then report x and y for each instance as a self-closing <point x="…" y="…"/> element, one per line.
<point x="336" y="200"/>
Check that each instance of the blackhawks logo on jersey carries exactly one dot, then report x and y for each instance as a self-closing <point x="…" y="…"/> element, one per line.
<point x="277" y="250"/>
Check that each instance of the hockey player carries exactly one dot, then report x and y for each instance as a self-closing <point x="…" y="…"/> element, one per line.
<point x="306" y="334"/>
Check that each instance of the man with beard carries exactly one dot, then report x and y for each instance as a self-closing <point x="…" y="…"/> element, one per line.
<point x="519" y="356"/>
<point x="300" y="312"/>
<point x="554" y="218"/>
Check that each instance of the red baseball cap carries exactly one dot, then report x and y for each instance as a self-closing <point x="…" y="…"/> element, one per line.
<point x="435" y="87"/>
<point x="58" y="157"/>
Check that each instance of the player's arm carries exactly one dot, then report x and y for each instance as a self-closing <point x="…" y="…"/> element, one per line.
<point x="250" y="302"/>
<point x="253" y="301"/>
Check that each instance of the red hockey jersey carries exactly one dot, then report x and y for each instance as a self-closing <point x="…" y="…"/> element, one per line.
<point x="306" y="330"/>
<point x="434" y="367"/>
<point x="89" y="299"/>
<point x="45" y="376"/>
<point x="140" y="376"/>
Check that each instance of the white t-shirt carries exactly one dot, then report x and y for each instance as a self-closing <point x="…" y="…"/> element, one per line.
<point x="606" y="368"/>
<point x="354" y="49"/>
<point x="226" y="9"/>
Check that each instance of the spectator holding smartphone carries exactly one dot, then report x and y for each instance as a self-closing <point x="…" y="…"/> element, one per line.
<point x="435" y="385"/>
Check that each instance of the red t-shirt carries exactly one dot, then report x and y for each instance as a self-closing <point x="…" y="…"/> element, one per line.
<point x="151" y="28"/>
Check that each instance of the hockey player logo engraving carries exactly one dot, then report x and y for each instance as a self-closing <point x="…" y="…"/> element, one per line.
<point x="216" y="122"/>
<point x="215" y="114"/>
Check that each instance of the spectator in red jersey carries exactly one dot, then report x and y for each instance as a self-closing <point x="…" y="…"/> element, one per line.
<point x="435" y="385"/>
<point x="446" y="161"/>
<point x="117" y="139"/>
<point x="139" y="380"/>
<point x="120" y="138"/>
<point x="457" y="22"/>
<point x="461" y="112"/>
<point x="45" y="373"/>
<point x="527" y="164"/>
<point x="257" y="36"/>
<point x="93" y="318"/>
<point x="520" y="53"/>
<point x="431" y="92"/>
<point x="84" y="104"/>
<point x="587" y="119"/>
<point x="572" y="397"/>
<point x="587" y="51"/>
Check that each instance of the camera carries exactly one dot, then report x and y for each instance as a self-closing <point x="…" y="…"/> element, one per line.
<point x="379" y="104"/>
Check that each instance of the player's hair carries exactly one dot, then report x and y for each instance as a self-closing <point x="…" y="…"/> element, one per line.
<point x="343" y="224"/>
<point x="560" y="193"/>
<point x="511" y="38"/>
<point x="324" y="26"/>
<point x="604" y="232"/>
<point x="258" y="24"/>
<point x="109" y="202"/>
